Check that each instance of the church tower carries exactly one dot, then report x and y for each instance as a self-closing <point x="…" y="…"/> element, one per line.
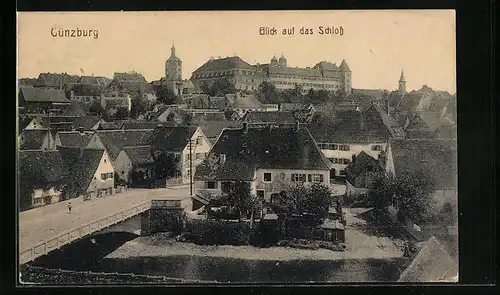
<point x="173" y="66"/>
<point x="402" y="83"/>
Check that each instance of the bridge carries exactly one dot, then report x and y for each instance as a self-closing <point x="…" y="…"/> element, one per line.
<point x="45" y="229"/>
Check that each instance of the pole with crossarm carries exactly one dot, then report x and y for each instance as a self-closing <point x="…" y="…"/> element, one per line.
<point x="191" y="166"/>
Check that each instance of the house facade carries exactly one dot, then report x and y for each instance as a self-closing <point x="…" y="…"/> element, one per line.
<point x="349" y="133"/>
<point x="270" y="159"/>
<point x="135" y="164"/>
<point x="176" y="141"/>
<point x="90" y="172"/>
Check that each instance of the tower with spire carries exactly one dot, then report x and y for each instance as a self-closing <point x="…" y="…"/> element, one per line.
<point x="402" y="83"/>
<point x="274" y="61"/>
<point x="173" y="66"/>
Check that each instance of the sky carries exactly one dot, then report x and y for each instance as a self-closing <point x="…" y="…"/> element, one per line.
<point x="377" y="45"/>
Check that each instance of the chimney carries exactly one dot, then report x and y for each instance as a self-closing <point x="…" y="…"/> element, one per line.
<point x="245" y="127"/>
<point x="222" y="159"/>
<point x="381" y="159"/>
<point x="387" y="107"/>
<point x="80" y="129"/>
<point x="353" y="158"/>
<point x="361" y="120"/>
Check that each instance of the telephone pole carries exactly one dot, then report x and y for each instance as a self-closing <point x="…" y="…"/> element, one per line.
<point x="191" y="166"/>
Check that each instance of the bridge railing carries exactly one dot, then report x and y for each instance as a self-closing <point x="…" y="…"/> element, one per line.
<point x="32" y="252"/>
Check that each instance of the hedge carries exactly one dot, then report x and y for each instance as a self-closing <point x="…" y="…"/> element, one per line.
<point x="217" y="232"/>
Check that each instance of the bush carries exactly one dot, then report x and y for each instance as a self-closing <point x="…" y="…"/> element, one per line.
<point x="215" y="232"/>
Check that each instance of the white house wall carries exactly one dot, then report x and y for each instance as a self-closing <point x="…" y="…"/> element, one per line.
<point x="354" y="150"/>
<point x="123" y="166"/>
<point x="201" y="149"/>
<point x="98" y="183"/>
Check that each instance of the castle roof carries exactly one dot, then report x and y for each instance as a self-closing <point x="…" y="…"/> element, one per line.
<point x="222" y="64"/>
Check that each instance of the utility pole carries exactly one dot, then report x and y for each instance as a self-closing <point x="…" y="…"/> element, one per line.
<point x="191" y="166"/>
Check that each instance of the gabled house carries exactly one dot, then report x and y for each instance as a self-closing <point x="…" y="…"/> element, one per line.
<point x="40" y="100"/>
<point x="74" y="109"/>
<point x="113" y="141"/>
<point x="263" y="117"/>
<point x="56" y="81"/>
<point x="348" y="133"/>
<point x="187" y="144"/>
<point x="361" y="173"/>
<point x="32" y="122"/>
<point x="90" y="172"/>
<point x="38" y="139"/>
<point x="212" y="129"/>
<point x="269" y="158"/>
<point x="431" y="264"/>
<point x="140" y="125"/>
<point x="42" y="176"/>
<point x="87" y="123"/>
<point x="434" y="157"/>
<point x="78" y="139"/>
<point x="135" y="165"/>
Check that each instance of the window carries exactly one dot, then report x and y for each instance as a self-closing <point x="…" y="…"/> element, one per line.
<point x="344" y="147"/>
<point x="333" y="146"/>
<point x="104" y="160"/>
<point x="105" y="176"/>
<point x="211" y="184"/>
<point x="315" y="177"/>
<point x="267" y="177"/>
<point x="260" y="193"/>
<point x="225" y="185"/>
<point x="346" y="161"/>
<point x="334" y="160"/>
<point x="342" y="172"/>
<point x="198" y="140"/>
<point x="188" y="173"/>
<point x="123" y="172"/>
<point x="298" y="177"/>
<point x="376" y="147"/>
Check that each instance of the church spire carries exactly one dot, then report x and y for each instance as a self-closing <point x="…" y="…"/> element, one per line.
<point x="172" y="50"/>
<point x="402" y="83"/>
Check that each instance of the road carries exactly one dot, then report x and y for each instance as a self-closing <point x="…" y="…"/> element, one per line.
<point x="39" y="224"/>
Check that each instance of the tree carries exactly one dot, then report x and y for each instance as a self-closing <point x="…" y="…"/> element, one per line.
<point x="121" y="113"/>
<point x="411" y="192"/>
<point x="267" y="93"/>
<point x="165" y="164"/>
<point x="221" y="87"/>
<point x="165" y="95"/>
<point x="96" y="107"/>
<point x="239" y="195"/>
<point x="311" y="200"/>
<point x="138" y="106"/>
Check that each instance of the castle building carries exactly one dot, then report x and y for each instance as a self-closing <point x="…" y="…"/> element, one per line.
<point x="324" y="75"/>
<point x="402" y="83"/>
